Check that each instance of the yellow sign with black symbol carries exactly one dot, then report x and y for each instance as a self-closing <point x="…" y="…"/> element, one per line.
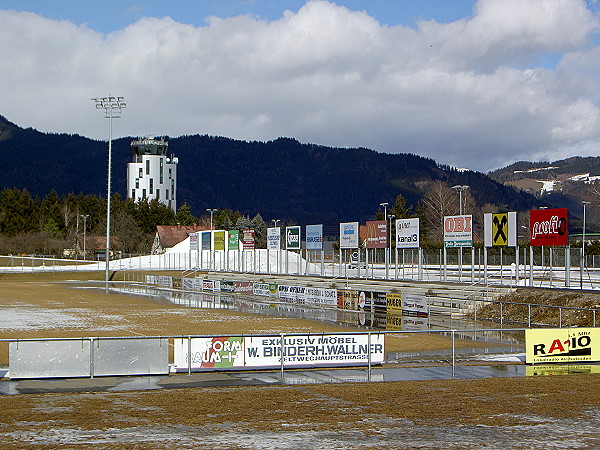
<point x="500" y="230"/>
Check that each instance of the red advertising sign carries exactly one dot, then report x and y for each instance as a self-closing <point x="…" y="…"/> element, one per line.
<point x="548" y="227"/>
<point x="376" y="234"/>
<point x="248" y="239"/>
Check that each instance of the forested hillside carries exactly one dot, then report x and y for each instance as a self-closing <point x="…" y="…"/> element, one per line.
<point x="283" y="178"/>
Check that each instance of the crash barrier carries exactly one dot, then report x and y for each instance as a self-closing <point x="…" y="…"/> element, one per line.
<point x="161" y="355"/>
<point x="556" y="267"/>
<point x="413" y="306"/>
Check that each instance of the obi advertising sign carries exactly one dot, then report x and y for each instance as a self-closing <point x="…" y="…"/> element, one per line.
<point x="500" y="230"/>
<point x="458" y="231"/>
<point x="562" y="345"/>
<point x="233" y="243"/>
<point x="314" y="237"/>
<point x="259" y="352"/>
<point x="548" y="227"/>
<point x="349" y="235"/>
<point x="376" y="234"/>
<point x="292" y="238"/>
<point x="274" y="238"/>
<point x="407" y="233"/>
<point x="248" y="239"/>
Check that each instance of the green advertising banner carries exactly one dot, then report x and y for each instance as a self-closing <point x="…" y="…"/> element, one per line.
<point x="219" y="240"/>
<point x="234" y="240"/>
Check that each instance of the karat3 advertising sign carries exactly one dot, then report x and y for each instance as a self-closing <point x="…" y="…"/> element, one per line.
<point x="549" y="227"/>
<point x="407" y="233"/>
<point x="292" y="238"/>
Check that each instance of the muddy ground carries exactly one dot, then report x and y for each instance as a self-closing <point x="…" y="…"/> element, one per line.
<point x="537" y="412"/>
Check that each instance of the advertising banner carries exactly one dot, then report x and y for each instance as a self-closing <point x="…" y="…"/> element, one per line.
<point x="376" y="234"/>
<point x="415" y="305"/>
<point x="261" y="352"/>
<point x="219" y="240"/>
<point x="248" y="239"/>
<point x="348" y="299"/>
<point x="320" y="296"/>
<point x="549" y="227"/>
<point x="394" y="303"/>
<point x="233" y="242"/>
<point x="274" y="238"/>
<point x="194" y="238"/>
<point x="500" y="230"/>
<point x="314" y="237"/>
<point x="243" y="287"/>
<point x="349" y="235"/>
<point x="407" y="233"/>
<point x="563" y="345"/>
<point x="205" y="240"/>
<point x="458" y="231"/>
<point x="292" y="238"/>
<point x="291" y="294"/>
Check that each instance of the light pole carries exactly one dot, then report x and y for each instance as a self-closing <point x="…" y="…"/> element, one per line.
<point x="460" y="188"/>
<point x="385" y="205"/>
<point x="275" y="222"/>
<point x="211" y="211"/>
<point x="391" y="217"/>
<point x="112" y="107"/>
<point x="84" y="217"/>
<point x="582" y="264"/>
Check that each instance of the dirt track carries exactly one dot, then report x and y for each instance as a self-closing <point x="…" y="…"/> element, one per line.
<point x="539" y="412"/>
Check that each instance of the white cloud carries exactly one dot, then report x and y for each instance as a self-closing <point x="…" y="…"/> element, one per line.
<point x="470" y="93"/>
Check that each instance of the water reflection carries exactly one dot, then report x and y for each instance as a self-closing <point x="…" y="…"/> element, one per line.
<point x="372" y="317"/>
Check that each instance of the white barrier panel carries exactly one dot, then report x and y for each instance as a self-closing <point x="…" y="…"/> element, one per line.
<point x="262" y="352"/>
<point x="49" y="359"/>
<point x="77" y="358"/>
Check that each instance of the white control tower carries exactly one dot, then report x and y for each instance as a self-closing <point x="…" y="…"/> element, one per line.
<point x="152" y="175"/>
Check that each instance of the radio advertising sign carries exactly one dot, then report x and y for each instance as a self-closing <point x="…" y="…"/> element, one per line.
<point x="292" y="238"/>
<point x="259" y="352"/>
<point x="458" y="231"/>
<point x="219" y="240"/>
<point x="314" y="237"/>
<point x="407" y="233"/>
<point x="248" y="239"/>
<point x="562" y="345"/>
<point x="500" y="230"/>
<point x="233" y="243"/>
<point x="376" y="234"/>
<point x="349" y="235"/>
<point x="548" y="227"/>
<point x="205" y="240"/>
<point x="274" y="238"/>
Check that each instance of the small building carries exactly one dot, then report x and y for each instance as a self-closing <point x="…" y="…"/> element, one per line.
<point x="152" y="174"/>
<point x="168" y="236"/>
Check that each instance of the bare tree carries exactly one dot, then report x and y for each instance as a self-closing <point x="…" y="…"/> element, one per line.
<point x="439" y="201"/>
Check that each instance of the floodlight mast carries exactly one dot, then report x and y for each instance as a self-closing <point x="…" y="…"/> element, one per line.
<point x="112" y="107"/>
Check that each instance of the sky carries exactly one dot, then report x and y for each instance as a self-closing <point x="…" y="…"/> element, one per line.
<point x="471" y="84"/>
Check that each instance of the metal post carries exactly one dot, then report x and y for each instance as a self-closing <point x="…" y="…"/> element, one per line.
<point x="91" y="357"/>
<point x="369" y="355"/>
<point x="282" y="352"/>
<point x="189" y="355"/>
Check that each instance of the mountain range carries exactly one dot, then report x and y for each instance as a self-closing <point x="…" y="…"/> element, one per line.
<point x="283" y="178"/>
